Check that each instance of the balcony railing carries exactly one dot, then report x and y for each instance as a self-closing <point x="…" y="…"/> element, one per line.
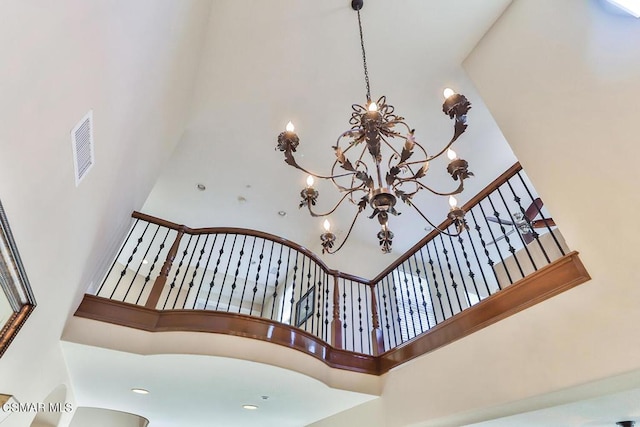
<point x="443" y="288"/>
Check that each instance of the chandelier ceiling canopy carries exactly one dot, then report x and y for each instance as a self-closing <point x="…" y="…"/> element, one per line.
<point x="379" y="161"/>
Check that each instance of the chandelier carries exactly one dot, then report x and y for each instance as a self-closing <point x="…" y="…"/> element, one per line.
<point x="386" y="163"/>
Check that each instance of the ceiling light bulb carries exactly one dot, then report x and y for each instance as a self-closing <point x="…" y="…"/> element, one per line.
<point x="453" y="202"/>
<point x="451" y="154"/>
<point x="290" y="127"/>
<point x="140" y="391"/>
<point x="309" y="181"/>
<point x="448" y="92"/>
<point x="327" y="225"/>
<point x="250" y="407"/>
<point x="373" y="106"/>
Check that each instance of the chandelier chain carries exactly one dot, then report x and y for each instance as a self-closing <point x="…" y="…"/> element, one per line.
<point x="364" y="59"/>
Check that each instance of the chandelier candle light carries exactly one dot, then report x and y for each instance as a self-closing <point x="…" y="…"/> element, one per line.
<point x="378" y="130"/>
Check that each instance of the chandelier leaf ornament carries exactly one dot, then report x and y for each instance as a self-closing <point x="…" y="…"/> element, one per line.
<point x="363" y="176"/>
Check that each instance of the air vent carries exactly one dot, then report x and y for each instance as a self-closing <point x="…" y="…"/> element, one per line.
<point x="82" y="142"/>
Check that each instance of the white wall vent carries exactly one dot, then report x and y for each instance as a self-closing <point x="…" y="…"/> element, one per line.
<point x="82" y="144"/>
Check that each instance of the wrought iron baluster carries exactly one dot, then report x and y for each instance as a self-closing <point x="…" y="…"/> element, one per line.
<point x="464" y="282"/>
<point x="126" y="240"/>
<point x="426" y="278"/>
<point x="454" y="283"/>
<point x="293" y="290"/>
<point x="493" y="238"/>
<point x="215" y="270"/>
<point x="318" y="295"/>
<point x="284" y="292"/>
<point x="306" y="301"/>
<point x="444" y="282"/>
<point x="407" y="298"/>
<point x="258" y="270"/>
<point x="398" y="317"/>
<point x="172" y="285"/>
<point x="184" y="275"/>
<point x="204" y="274"/>
<point x="126" y="267"/>
<point x="471" y="273"/>
<point x="195" y="269"/>
<point x="275" y="287"/>
<point x="246" y="279"/>
<point x="353" y="321"/>
<point x="511" y="248"/>
<point x="361" y="329"/>
<point x="266" y="282"/>
<point x="237" y="272"/>
<point x="534" y="233"/>
<point x="226" y="272"/>
<point x="385" y="305"/>
<point x="144" y="257"/>
<point x="153" y="266"/>
<point x="475" y="253"/>
<point x="506" y="238"/>
<point x="325" y="326"/>
<point x="421" y="288"/>
<point x="344" y="313"/>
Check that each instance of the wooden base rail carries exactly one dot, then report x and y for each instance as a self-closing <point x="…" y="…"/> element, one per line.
<point x="550" y="280"/>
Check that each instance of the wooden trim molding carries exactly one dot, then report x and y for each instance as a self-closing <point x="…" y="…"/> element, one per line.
<point x="152" y="320"/>
<point x="557" y="277"/>
<point x="553" y="279"/>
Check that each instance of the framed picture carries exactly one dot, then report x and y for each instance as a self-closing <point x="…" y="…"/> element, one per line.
<point x="304" y="307"/>
<point x="16" y="299"/>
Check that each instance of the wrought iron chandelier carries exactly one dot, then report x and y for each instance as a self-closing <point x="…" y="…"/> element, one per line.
<point x="378" y="130"/>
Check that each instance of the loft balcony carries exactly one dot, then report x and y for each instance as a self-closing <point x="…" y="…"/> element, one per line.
<point x="169" y="277"/>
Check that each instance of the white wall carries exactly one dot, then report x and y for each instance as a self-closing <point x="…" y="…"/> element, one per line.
<point x="561" y="79"/>
<point x="132" y="63"/>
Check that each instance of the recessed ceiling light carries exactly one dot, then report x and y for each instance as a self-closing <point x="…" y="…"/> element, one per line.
<point x="201" y="187"/>
<point x="140" y="391"/>
<point x="632" y="7"/>
<point x="282" y="213"/>
<point x="250" y="407"/>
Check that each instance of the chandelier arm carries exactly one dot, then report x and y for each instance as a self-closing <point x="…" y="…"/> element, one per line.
<point x="359" y="162"/>
<point x="459" y="130"/>
<point x="318" y="215"/>
<point x="400" y="122"/>
<point x="435" y="227"/>
<point x="415" y="162"/>
<point x="395" y="152"/>
<point x="353" y="174"/>
<point x="422" y="186"/>
<point x="297" y="166"/>
<point x="348" y="234"/>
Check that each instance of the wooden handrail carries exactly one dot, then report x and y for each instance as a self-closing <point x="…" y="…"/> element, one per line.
<point x="248" y="232"/>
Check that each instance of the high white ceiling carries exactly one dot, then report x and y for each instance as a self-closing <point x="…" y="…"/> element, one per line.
<point x="200" y="391"/>
<point x="265" y="63"/>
